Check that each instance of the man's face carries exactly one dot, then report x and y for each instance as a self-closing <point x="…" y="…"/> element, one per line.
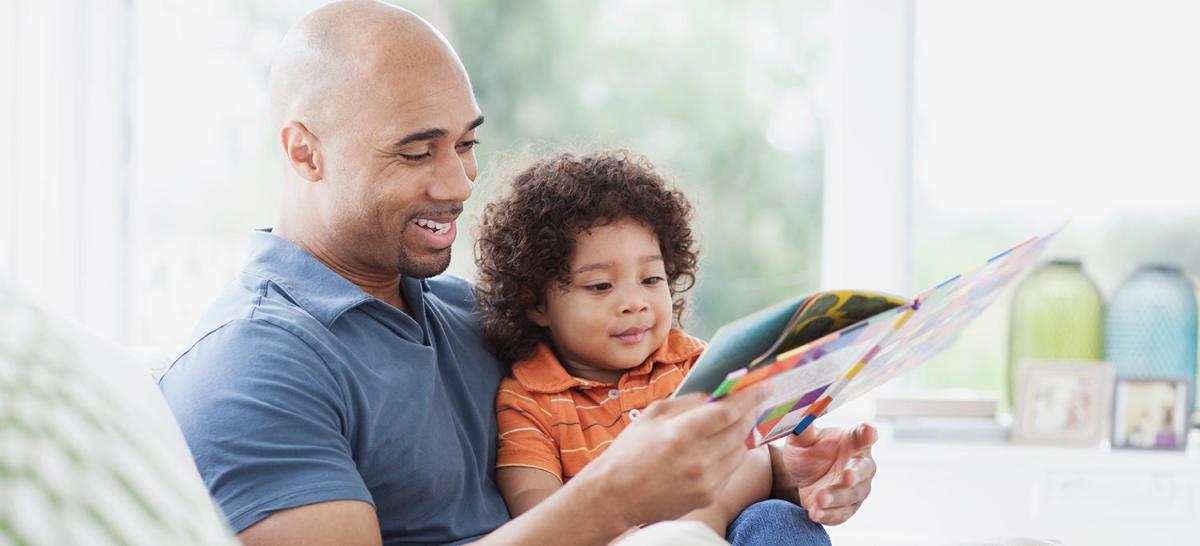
<point x="401" y="167"/>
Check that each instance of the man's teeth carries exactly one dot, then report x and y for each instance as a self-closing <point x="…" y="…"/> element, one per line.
<point x="437" y="227"/>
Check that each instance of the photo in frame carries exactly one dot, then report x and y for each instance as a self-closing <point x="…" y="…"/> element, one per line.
<point x="1063" y="402"/>
<point x="1150" y="414"/>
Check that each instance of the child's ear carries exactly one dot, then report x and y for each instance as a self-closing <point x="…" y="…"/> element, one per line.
<point x="538" y="316"/>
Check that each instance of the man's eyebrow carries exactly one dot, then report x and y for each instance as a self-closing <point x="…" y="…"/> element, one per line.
<point x="427" y="134"/>
<point x="478" y="121"/>
<point x="430" y="134"/>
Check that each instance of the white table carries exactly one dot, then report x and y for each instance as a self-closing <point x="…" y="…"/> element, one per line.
<point x="943" y="493"/>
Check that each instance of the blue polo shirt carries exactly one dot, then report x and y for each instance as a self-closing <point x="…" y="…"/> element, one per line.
<point x="301" y="388"/>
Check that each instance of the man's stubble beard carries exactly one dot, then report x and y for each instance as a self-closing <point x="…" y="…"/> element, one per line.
<point x="418" y="269"/>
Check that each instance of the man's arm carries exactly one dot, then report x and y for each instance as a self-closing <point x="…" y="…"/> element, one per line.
<point x="250" y="395"/>
<point x="675" y="458"/>
<point x="352" y="523"/>
<point x="751" y="483"/>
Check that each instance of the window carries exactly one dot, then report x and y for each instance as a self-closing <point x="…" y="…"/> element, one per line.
<point x="1032" y="113"/>
<point x="724" y="97"/>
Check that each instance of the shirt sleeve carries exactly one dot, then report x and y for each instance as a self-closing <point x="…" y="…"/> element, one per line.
<point x="525" y="435"/>
<point x="265" y="421"/>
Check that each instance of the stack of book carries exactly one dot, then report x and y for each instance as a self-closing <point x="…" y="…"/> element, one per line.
<point x="944" y="416"/>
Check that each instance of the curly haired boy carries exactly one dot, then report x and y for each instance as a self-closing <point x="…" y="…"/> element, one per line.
<point x="583" y="265"/>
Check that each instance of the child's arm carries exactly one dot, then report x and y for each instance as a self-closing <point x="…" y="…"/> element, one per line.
<point x="528" y="464"/>
<point x="749" y="484"/>
<point x="523" y="487"/>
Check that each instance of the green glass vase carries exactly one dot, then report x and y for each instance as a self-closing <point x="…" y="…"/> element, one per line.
<point x="1057" y="314"/>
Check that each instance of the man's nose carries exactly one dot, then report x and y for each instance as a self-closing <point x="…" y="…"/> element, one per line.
<point x="454" y="180"/>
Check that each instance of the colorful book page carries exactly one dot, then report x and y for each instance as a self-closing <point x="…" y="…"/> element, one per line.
<point x="942" y="314"/>
<point x="826" y="373"/>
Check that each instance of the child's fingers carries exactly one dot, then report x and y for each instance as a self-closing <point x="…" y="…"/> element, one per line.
<point x="865" y="436"/>
<point x="844" y="494"/>
<point x="833" y="516"/>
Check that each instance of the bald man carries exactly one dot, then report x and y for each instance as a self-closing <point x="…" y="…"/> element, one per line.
<point x="339" y="391"/>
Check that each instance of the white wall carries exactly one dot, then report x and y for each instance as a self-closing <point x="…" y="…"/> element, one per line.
<point x="63" y="157"/>
<point x="867" y="216"/>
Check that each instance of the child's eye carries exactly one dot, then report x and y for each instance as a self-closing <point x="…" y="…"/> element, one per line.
<point x="598" y="287"/>
<point x="652" y="280"/>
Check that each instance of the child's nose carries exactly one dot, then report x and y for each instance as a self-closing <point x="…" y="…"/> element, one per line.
<point x="634" y="303"/>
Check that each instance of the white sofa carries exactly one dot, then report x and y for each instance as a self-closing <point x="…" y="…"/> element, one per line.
<point x="89" y="451"/>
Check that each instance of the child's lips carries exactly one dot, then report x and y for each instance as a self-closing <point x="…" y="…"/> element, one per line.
<point x="631" y="335"/>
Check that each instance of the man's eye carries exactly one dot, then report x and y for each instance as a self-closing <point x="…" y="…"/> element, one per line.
<point x="416" y="157"/>
<point x="598" y="287"/>
<point x="464" y="147"/>
<point x="653" y="280"/>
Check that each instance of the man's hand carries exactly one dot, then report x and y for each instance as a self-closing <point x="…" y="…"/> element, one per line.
<point x="831" y="470"/>
<point x="675" y="458"/>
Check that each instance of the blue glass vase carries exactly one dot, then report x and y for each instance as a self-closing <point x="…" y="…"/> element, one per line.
<point x="1151" y="325"/>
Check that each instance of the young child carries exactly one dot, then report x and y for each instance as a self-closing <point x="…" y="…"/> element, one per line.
<point x="582" y="269"/>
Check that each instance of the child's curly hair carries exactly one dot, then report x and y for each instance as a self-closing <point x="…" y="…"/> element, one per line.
<point x="526" y="236"/>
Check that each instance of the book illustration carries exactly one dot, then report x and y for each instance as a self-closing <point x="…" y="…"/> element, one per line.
<point x="829" y="348"/>
<point x="828" y="312"/>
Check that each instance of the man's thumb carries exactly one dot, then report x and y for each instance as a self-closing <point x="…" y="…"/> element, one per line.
<point x="674" y="406"/>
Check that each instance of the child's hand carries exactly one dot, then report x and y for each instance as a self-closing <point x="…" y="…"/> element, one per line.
<point x="833" y="469"/>
<point x="676" y="457"/>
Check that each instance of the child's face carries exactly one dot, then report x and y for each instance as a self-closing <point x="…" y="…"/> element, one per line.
<point x="616" y="311"/>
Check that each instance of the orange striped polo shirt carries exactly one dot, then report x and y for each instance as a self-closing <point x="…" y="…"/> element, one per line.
<point x="553" y="421"/>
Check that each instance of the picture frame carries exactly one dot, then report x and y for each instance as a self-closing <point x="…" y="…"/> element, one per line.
<point x="1063" y="402"/>
<point x="1151" y="414"/>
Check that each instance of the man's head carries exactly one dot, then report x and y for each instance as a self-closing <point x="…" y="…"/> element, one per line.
<point x="377" y="122"/>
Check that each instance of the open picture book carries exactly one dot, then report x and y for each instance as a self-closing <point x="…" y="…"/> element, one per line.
<point x="825" y="349"/>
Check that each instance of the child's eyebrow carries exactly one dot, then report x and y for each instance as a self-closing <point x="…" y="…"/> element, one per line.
<point x="610" y="264"/>
<point x="592" y="267"/>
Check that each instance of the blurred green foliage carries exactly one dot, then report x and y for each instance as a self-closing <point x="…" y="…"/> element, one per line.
<point x="719" y="95"/>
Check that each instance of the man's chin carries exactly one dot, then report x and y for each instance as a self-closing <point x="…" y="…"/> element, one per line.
<point x="424" y="267"/>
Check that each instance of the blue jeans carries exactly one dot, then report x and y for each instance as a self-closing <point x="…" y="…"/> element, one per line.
<point x="775" y="522"/>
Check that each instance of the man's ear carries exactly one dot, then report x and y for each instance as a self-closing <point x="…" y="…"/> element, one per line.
<point x="301" y="149"/>
<point x="538" y="316"/>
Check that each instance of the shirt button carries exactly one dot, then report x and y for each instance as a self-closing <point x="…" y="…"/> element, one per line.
<point x="634" y="414"/>
<point x="614" y="394"/>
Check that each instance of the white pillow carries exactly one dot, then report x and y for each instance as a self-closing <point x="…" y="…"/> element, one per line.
<point x="89" y="451"/>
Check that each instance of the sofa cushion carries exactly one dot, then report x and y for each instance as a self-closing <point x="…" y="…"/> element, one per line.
<point x="89" y="452"/>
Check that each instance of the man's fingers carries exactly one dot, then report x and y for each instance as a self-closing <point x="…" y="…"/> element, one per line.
<point x="736" y="410"/>
<point x="728" y="463"/>
<point x="674" y="406"/>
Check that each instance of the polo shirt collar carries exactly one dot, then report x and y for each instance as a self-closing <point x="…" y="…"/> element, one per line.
<point x="311" y="284"/>
<point x="543" y="373"/>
